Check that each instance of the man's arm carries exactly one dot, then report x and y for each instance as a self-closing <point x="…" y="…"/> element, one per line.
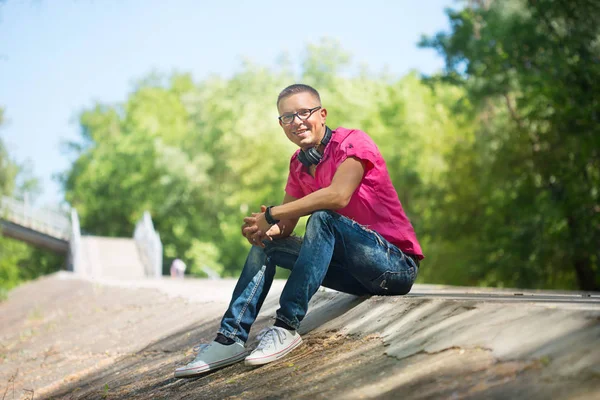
<point x="284" y="227"/>
<point x="337" y="195"/>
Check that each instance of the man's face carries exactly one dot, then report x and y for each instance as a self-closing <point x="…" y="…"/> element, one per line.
<point x="304" y="133"/>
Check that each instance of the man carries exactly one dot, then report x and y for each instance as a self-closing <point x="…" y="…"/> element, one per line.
<point x="358" y="239"/>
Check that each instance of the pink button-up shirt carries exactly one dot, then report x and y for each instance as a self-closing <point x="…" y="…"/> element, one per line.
<point x="375" y="203"/>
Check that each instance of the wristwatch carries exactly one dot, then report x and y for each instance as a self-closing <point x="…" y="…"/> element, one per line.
<point x="269" y="217"/>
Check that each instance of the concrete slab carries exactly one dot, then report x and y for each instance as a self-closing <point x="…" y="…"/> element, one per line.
<point x="64" y="337"/>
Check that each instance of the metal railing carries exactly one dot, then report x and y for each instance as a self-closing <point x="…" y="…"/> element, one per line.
<point x="60" y="226"/>
<point x="75" y="263"/>
<point x="46" y="221"/>
<point x="149" y="245"/>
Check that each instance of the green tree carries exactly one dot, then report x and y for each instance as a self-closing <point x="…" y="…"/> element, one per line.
<point x="18" y="262"/>
<point x="10" y="251"/>
<point x="8" y="169"/>
<point x="523" y="194"/>
<point x="193" y="155"/>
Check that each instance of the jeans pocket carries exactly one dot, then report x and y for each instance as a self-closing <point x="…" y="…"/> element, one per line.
<point x="393" y="283"/>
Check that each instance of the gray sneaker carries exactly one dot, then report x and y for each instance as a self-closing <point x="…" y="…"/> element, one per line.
<point x="275" y="343"/>
<point x="210" y="357"/>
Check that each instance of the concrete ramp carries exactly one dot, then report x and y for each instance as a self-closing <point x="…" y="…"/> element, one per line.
<point x="106" y="257"/>
<point x="68" y="338"/>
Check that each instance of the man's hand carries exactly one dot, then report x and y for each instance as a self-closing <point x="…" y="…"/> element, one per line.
<point x="256" y="229"/>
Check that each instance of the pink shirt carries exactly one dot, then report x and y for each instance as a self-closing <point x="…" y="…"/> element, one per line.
<point x="375" y="203"/>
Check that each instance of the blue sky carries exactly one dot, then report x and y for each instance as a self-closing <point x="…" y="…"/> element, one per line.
<point x="59" y="57"/>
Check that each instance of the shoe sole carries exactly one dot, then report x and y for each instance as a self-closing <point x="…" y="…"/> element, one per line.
<point x="201" y="369"/>
<point x="274" y="357"/>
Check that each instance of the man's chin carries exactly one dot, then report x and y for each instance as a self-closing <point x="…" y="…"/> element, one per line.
<point x="306" y="144"/>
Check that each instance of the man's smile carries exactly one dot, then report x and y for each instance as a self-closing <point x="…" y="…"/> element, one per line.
<point x="301" y="132"/>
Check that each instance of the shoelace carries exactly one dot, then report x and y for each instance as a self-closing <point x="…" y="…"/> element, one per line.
<point x="197" y="349"/>
<point x="200" y="347"/>
<point x="268" y="335"/>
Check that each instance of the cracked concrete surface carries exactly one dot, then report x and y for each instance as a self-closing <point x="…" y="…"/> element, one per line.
<point x="63" y="337"/>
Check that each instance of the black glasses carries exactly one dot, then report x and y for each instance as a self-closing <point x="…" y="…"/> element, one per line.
<point x="303" y="115"/>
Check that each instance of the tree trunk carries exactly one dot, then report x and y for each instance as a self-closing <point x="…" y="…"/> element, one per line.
<point x="586" y="277"/>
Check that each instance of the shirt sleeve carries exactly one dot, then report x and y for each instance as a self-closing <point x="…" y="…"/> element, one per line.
<point x="359" y="145"/>
<point x="293" y="187"/>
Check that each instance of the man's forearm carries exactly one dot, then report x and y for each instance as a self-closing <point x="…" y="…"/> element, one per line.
<point x="323" y="199"/>
<point x="333" y="197"/>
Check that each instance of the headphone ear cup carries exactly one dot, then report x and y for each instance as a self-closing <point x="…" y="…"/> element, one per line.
<point x="313" y="156"/>
<point x="309" y="157"/>
<point x="302" y="158"/>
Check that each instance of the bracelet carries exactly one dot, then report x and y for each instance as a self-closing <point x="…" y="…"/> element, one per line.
<point x="269" y="217"/>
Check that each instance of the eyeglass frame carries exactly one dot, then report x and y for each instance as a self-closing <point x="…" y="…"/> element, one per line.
<point x="294" y="115"/>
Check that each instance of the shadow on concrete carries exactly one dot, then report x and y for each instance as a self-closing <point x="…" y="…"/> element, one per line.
<point x="150" y="370"/>
<point x="403" y="349"/>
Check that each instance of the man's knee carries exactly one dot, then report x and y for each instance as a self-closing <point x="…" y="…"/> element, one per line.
<point x="319" y="217"/>
<point x="290" y="244"/>
<point x="256" y="256"/>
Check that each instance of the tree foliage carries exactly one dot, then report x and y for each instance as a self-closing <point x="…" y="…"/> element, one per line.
<point x="523" y="193"/>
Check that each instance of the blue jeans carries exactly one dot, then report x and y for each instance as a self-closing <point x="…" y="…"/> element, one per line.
<point x="336" y="252"/>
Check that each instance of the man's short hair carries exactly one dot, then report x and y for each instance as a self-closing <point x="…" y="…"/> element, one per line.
<point x="298" y="88"/>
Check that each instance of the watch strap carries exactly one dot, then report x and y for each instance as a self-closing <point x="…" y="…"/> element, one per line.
<point x="269" y="217"/>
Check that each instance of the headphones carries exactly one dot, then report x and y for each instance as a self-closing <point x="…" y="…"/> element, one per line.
<point x="312" y="156"/>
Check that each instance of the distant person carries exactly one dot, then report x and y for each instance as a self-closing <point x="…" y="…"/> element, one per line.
<point x="178" y="269"/>
<point x="358" y="239"/>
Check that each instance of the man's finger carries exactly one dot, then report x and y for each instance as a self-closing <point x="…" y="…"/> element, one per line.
<point x="257" y="239"/>
<point x="249" y="230"/>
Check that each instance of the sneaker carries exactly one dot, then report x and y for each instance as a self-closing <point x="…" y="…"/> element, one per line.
<point x="275" y="343"/>
<point x="210" y="357"/>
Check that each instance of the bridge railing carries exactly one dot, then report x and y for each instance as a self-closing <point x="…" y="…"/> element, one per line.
<point x="75" y="262"/>
<point x="149" y="245"/>
<point x="43" y="220"/>
<point x="60" y="226"/>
